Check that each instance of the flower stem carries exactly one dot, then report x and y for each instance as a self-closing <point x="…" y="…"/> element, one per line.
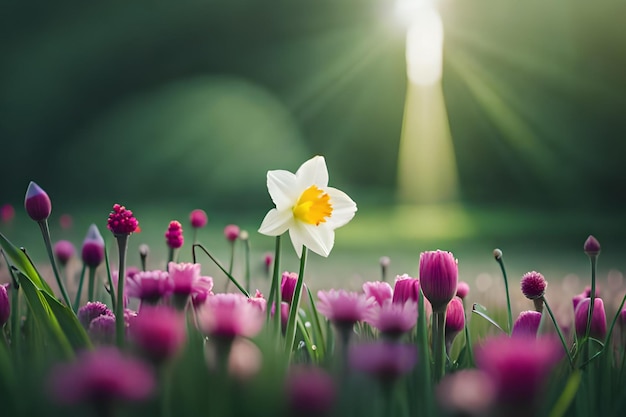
<point x="219" y="265"/>
<point x="275" y="291"/>
<point x="558" y="330"/>
<point x="295" y="305"/>
<point x="425" y="363"/>
<point x="246" y="247"/>
<point x="120" y="326"/>
<point x="593" y="259"/>
<point x="109" y="280"/>
<point x="45" y="231"/>
<point x="617" y="314"/>
<point x="91" y="285"/>
<point x="468" y="339"/>
<point x="508" y="298"/>
<point x="16" y="331"/>
<point x="79" y="292"/>
<point x="439" y="345"/>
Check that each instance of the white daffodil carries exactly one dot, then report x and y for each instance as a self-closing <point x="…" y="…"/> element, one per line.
<point x="307" y="207"/>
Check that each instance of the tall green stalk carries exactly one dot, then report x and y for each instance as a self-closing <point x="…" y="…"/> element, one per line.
<point x="79" y="292"/>
<point x="439" y="349"/>
<point x="45" y="231"/>
<point x="120" y="325"/>
<point x="559" y="332"/>
<point x="290" y="335"/>
<point x="592" y="259"/>
<point x="506" y="288"/>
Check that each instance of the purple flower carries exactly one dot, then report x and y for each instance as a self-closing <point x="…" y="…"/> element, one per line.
<point x="310" y="392"/>
<point x="533" y="285"/>
<point x="121" y="221"/>
<point x="174" y="235"/>
<point x="64" y="250"/>
<point x="231" y="232"/>
<point x="93" y="247"/>
<point x="288" y="283"/>
<point x="159" y="332"/>
<point x="7" y="213"/>
<point x="406" y="288"/>
<point x="226" y="316"/>
<point x="462" y="289"/>
<point x="438" y="278"/>
<point x="5" y="307"/>
<point x="392" y="319"/>
<point x="268" y="258"/>
<point x="101" y="377"/>
<point x="455" y="320"/>
<point x="598" y="319"/>
<point x="383" y="360"/>
<point x="258" y="301"/>
<point x="90" y="311"/>
<point x="198" y="218"/>
<point x="343" y="308"/>
<point x="184" y="276"/>
<point x="379" y="290"/>
<point x="592" y="246"/>
<point x="149" y="286"/>
<point x="527" y="324"/>
<point x="518" y="368"/>
<point x="37" y="203"/>
<point x="468" y="392"/>
<point x="201" y="290"/>
<point x="102" y="330"/>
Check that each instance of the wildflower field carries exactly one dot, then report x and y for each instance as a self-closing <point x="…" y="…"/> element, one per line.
<point x="189" y="333"/>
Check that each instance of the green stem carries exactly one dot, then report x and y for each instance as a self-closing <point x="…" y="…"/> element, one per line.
<point x="246" y="248"/>
<point x="120" y="325"/>
<point x="195" y="236"/>
<point x="468" y="339"/>
<point x="219" y="265"/>
<point x="79" y="292"/>
<point x="425" y="362"/>
<point x="45" y="231"/>
<point x="16" y="331"/>
<point x="91" y="285"/>
<point x="295" y="305"/>
<point x="560" y="333"/>
<point x="232" y="257"/>
<point x="617" y="314"/>
<point x="508" y="298"/>
<point x="592" y="296"/>
<point x="109" y="279"/>
<point x="170" y="256"/>
<point x="275" y="291"/>
<point x="439" y="345"/>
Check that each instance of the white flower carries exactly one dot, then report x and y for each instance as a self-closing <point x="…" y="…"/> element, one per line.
<point x="307" y="207"/>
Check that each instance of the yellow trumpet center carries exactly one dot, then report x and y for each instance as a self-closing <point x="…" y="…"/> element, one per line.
<point x="313" y="206"/>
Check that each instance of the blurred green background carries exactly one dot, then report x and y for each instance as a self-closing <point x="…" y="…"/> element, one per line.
<point x="173" y="105"/>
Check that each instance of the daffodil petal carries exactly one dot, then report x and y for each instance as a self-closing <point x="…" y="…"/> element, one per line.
<point x="276" y="222"/>
<point x="282" y="186"/>
<point x="320" y="239"/>
<point x="343" y="208"/>
<point x="312" y="172"/>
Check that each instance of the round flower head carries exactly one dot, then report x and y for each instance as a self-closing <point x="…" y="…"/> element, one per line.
<point x="226" y="316"/>
<point x="527" y="324"/>
<point x="184" y="276"/>
<point x="380" y="291"/>
<point x="102" y="330"/>
<point x="343" y="308"/>
<point x="307" y="207"/>
<point x="144" y="250"/>
<point x="90" y="311"/>
<point x="497" y="254"/>
<point x="268" y="258"/>
<point x="533" y="285"/>
<point x="384" y="261"/>
<point x="383" y="360"/>
<point x="231" y="232"/>
<point x="598" y="319"/>
<point x="121" y="221"/>
<point x="406" y="289"/>
<point x="310" y="392"/>
<point x="438" y="278"/>
<point x="7" y="213"/>
<point x="93" y="247"/>
<point x="174" y="235"/>
<point x="37" y="203"/>
<point x="5" y="307"/>
<point x="592" y="246"/>
<point x="392" y="319"/>
<point x="63" y="251"/>
<point x="149" y="286"/>
<point x="455" y="319"/>
<point x="198" y="218"/>
<point x="100" y="377"/>
<point x="159" y="332"/>
<point x="462" y="289"/>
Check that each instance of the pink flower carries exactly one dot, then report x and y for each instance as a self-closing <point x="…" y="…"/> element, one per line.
<point x="533" y="285"/>
<point x="121" y="221"/>
<point x="462" y="289"/>
<point x="455" y="320"/>
<point x="468" y="392"/>
<point x="527" y="324"/>
<point x="90" y="311"/>
<point x="159" y="332"/>
<point x="258" y="301"/>
<point x="227" y="316"/>
<point x="385" y="361"/>
<point x="102" y="330"/>
<point x="268" y="258"/>
<point x="343" y="308"/>
<point x="201" y="290"/>
<point x="438" y="278"/>
<point x="174" y="235"/>
<point x="592" y="246"/>
<point x="379" y="290"/>
<point x="406" y="288"/>
<point x="184" y="276"/>
<point x="7" y="213"/>
<point x="231" y="232"/>
<point x="393" y="319"/>
<point x="198" y="218"/>
<point x="149" y="286"/>
<point x="288" y="283"/>
<point x="598" y="319"/>
<point x="93" y="247"/>
<point x="310" y="392"/>
<point x="101" y="377"/>
<point x="64" y="250"/>
<point x="5" y="307"/>
<point x="37" y="203"/>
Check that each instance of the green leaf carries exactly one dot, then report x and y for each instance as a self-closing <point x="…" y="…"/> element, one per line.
<point x="482" y="312"/>
<point x="21" y="262"/>
<point x="73" y="330"/>
<point x="318" y="335"/>
<point x="567" y="396"/>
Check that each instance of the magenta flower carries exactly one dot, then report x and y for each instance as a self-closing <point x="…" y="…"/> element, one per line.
<point x="174" y="235"/>
<point x="438" y="278"/>
<point x="231" y="232"/>
<point x="462" y="289"/>
<point x="90" y="311"/>
<point x="380" y="291"/>
<point x="121" y="221"/>
<point x="101" y="377"/>
<point x="392" y="319"/>
<point x="284" y="314"/>
<point x="592" y="246"/>
<point x="268" y="258"/>
<point x="102" y="330"/>
<point x="406" y="288"/>
<point x="310" y="392"/>
<point x="184" y="276"/>
<point x="93" y="247"/>
<point x="533" y="285"/>
<point x="5" y="306"/>
<point x="383" y="360"/>
<point x="518" y="368"/>
<point x="468" y="392"/>
<point x="527" y="324"/>
<point x="343" y="308"/>
<point x="598" y="319"/>
<point x="149" y="286"/>
<point x="7" y="213"/>
<point x="258" y="301"/>
<point x="288" y="286"/>
<point x="198" y="218"/>
<point x="226" y="316"/>
<point x="159" y="332"/>
<point x="63" y="251"/>
<point x="201" y="290"/>
<point x="455" y="320"/>
<point x="37" y="203"/>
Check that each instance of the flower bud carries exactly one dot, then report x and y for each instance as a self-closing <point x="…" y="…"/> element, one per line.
<point x="5" y="307"/>
<point x="63" y="251"/>
<point x="198" y="218"/>
<point x="174" y="235"/>
<point x="455" y="320"/>
<point x="462" y="290"/>
<point x="231" y="232"/>
<point x="37" y="203"/>
<point x="533" y="285"/>
<point x="93" y="247"/>
<point x="527" y="324"/>
<point x="598" y="319"/>
<point x="592" y="246"/>
<point x="438" y="278"/>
